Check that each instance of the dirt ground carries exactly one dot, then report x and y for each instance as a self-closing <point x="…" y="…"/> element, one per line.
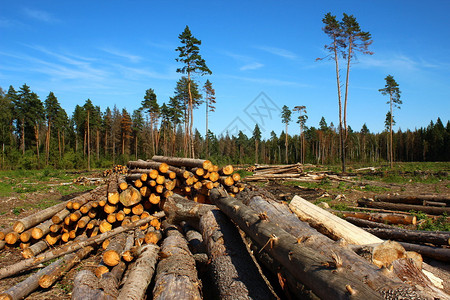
<point x="334" y="192"/>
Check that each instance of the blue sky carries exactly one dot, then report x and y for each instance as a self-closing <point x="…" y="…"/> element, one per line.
<point x="262" y="55"/>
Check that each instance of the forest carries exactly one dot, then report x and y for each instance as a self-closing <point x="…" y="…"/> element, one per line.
<point x="38" y="134"/>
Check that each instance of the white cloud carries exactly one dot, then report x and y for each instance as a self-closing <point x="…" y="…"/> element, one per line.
<point x="130" y="57"/>
<point x="40" y="15"/>
<point x="251" y="66"/>
<point x="267" y="81"/>
<point x="279" y="52"/>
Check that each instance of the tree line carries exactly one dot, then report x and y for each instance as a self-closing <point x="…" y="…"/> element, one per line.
<point x="35" y="134"/>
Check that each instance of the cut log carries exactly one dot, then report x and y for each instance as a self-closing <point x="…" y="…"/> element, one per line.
<point x="38" y="217"/>
<point x="35" y="249"/>
<point x="413" y="199"/>
<point x="183" y="162"/>
<point x="141" y="274"/>
<point x="179" y="209"/>
<point x="366" y="223"/>
<point x="411" y="236"/>
<point x="405" y="207"/>
<point x="380" y="217"/>
<point x="64" y="264"/>
<point x="141" y="164"/>
<point x="113" y="190"/>
<point x="226" y="170"/>
<point x="27" y="263"/>
<point x="122" y="183"/>
<point x="94" y="194"/>
<point x="130" y="196"/>
<point x="12" y="237"/>
<point x="109" y="282"/>
<point x="176" y="275"/>
<point x="152" y="236"/>
<point x="305" y="263"/>
<point x="194" y="238"/>
<point x="113" y="252"/>
<point x="86" y="286"/>
<point x="337" y="229"/>
<point x="280" y="214"/>
<point x="25" y="236"/>
<point x="231" y="265"/>
<point x="442" y="254"/>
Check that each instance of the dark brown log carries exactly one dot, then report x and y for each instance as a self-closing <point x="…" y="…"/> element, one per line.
<point x="442" y="254"/>
<point x="85" y="286"/>
<point x="179" y="209"/>
<point x="130" y="196"/>
<point x="2" y="244"/>
<point x="176" y="275"/>
<point x="35" y="249"/>
<point x="411" y="236"/>
<point x="380" y="217"/>
<point x="405" y="207"/>
<point x="413" y="199"/>
<point x="194" y="238"/>
<point x="231" y="264"/>
<point x="64" y="264"/>
<point x="304" y="262"/>
<point x="27" y="263"/>
<point x="367" y="223"/>
<point x="141" y="274"/>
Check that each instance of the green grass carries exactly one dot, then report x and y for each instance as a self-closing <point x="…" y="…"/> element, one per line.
<point x="244" y="173"/>
<point x="430" y="224"/>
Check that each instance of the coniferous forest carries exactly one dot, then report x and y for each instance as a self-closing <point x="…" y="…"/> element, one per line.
<point x="35" y="133"/>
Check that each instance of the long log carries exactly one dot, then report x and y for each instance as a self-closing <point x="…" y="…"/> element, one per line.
<point x="183" y="162"/>
<point x="113" y="190"/>
<point x="65" y="264"/>
<point x="380" y="217"/>
<point x="176" y="275"/>
<point x="411" y="236"/>
<point x="442" y="254"/>
<point x="413" y="199"/>
<point x="27" y="263"/>
<point x="305" y="263"/>
<point x="85" y="286"/>
<point x="35" y="249"/>
<point x="141" y="274"/>
<point x="113" y="253"/>
<point x="338" y="229"/>
<point x="280" y="214"/>
<point x="405" y="207"/>
<point x="231" y="265"/>
<point x="194" y="238"/>
<point x="179" y="209"/>
<point x="110" y="281"/>
<point x="163" y="167"/>
<point x="366" y="223"/>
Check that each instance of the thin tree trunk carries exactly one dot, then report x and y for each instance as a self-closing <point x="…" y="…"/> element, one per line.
<point x="23" y="137"/>
<point x="286" y="143"/>
<point x="98" y="144"/>
<point x="88" y="143"/>
<point x="36" y="136"/>
<point x="47" y="143"/>
<point x="391" y="139"/>
<point x="206" y="134"/>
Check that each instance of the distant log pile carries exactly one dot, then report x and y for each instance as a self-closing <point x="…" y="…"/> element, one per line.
<point x="170" y="223"/>
<point x="117" y="169"/>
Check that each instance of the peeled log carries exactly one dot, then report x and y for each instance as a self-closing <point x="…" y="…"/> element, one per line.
<point x="231" y="265"/>
<point x="176" y="275"/>
<point x="141" y="274"/>
<point x="411" y="236"/>
<point x="380" y="217"/>
<point x="130" y="196"/>
<point x="304" y="263"/>
<point x="337" y="229"/>
<point x="404" y="207"/>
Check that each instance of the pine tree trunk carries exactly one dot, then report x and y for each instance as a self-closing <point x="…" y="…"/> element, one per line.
<point x="391" y="147"/>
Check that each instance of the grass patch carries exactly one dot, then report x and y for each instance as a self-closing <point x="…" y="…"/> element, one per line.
<point x="374" y="188"/>
<point x="430" y="224"/>
<point x="244" y="173"/>
<point x="340" y="207"/>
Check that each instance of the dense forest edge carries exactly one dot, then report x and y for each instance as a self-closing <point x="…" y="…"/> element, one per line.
<point x="36" y="134"/>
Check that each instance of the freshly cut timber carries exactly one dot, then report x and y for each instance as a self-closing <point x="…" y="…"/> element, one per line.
<point x="163" y="167"/>
<point x="231" y="264"/>
<point x="279" y="213"/>
<point x="27" y="263"/>
<point x="35" y="249"/>
<point x="86" y="286"/>
<point x="113" y="190"/>
<point x="413" y="199"/>
<point x="405" y="207"/>
<point x="412" y="236"/>
<point x="141" y="274"/>
<point x="112" y="254"/>
<point x="176" y="275"/>
<point x="226" y="170"/>
<point x="380" y="217"/>
<point x="305" y="263"/>
<point x="64" y="264"/>
<point x="442" y="254"/>
<point x="183" y="162"/>
<point x="110" y="281"/>
<point x="321" y="220"/>
<point x="130" y="196"/>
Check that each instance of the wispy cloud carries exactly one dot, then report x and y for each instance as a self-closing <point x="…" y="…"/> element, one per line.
<point x="40" y="15"/>
<point x="396" y="61"/>
<point x="267" y="81"/>
<point x="119" y="53"/>
<point x="279" y="52"/>
<point x="7" y="23"/>
<point x="251" y="66"/>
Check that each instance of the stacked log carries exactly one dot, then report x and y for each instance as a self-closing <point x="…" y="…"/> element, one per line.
<point x="117" y="169"/>
<point x="404" y="204"/>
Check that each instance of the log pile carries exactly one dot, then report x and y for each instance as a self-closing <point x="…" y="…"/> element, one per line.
<point x="183" y="228"/>
<point x="117" y="169"/>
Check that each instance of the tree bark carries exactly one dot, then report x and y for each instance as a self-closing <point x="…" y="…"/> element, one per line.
<point x="176" y="275"/>
<point x="380" y="217"/>
<point x="413" y="199"/>
<point x="163" y="167"/>
<point x="141" y="274"/>
<point x="411" y="236"/>
<point x="305" y="263"/>
<point x="329" y="224"/>
<point x="183" y="162"/>
<point x="85" y="286"/>
<point x="112" y="255"/>
<point x="366" y="223"/>
<point x="27" y="263"/>
<point x="235" y="274"/>
<point x="405" y="207"/>
<point x="442" y="254"/>
<point x="130" y="196"/>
